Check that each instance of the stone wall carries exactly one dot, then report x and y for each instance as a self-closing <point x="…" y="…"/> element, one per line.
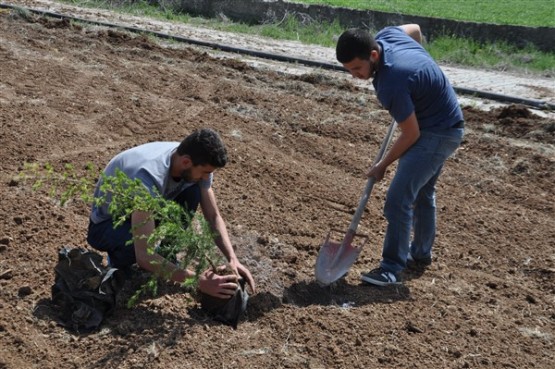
<point x="261" y="11"/>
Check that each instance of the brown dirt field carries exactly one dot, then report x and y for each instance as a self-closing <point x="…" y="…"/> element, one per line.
<point x="299" y="147"/>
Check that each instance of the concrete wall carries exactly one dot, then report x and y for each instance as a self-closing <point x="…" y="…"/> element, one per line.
<point x="261" y="11"/>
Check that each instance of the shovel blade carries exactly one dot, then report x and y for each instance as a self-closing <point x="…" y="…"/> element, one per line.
<point x="334" y="260"/>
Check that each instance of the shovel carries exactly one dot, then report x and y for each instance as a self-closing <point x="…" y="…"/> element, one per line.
<point x="335" y="259"/>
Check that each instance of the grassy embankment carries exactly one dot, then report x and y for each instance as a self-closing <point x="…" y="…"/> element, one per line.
<point x="447" y="50"/>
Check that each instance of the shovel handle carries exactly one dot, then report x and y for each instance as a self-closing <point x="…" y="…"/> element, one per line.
<point x="371" y="180"/>
<point x="350" y="236"/>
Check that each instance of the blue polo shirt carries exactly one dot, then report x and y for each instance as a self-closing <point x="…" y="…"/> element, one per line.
<point x="409" y="80"/>
<point x="150" y="163"/>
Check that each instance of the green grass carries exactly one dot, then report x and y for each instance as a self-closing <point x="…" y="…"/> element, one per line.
<point x="499" y="56"/>
<point x="535" y="13"/>
<point x="286" y="29"/>
<point x="447" y="50"/>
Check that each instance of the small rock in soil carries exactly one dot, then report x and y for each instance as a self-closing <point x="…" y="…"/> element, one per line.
<point x="492" y="285"/>
<point x="531" y="299"/>
<point x="24" y="291"/>
<point x="412" y="328"/>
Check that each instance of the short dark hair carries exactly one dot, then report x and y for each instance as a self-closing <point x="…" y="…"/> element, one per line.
<point x="204" y="147"/>
<point x="355" y="43"/>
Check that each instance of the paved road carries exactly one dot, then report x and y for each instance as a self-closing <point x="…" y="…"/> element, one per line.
<point x="529" y="86"/>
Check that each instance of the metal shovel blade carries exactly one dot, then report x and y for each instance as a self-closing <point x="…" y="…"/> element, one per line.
<point x="336" y="258"/>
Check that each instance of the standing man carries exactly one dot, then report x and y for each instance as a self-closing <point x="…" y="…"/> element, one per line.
<point x="182" y="172"/>
<point x="412" y="87"/>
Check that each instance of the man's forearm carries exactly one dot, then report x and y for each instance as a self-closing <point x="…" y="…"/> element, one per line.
<point x="222" y="240"/>
<point x="143" y="226"/>
<point x="161" y="267"/>
<point x="399" y="147"/>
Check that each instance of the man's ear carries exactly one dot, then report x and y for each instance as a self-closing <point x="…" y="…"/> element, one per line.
<point x="374" y="55"/>
<point x="186" y="162"/>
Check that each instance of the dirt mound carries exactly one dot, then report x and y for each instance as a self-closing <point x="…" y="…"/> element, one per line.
<point x="299" y="148"/>
<point x="513" y="122"/>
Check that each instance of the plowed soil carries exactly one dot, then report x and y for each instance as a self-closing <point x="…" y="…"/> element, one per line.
<point x="299" y="148"/>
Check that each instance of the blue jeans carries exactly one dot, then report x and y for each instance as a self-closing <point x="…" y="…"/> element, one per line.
<point x="116" y="241"/>
<point x="410" y="204"/>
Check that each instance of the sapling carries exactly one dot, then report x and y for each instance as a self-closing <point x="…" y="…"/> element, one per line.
<point x="177" y="233"/>
<point x="178" y="236"/>
<point x="62" y="185"/>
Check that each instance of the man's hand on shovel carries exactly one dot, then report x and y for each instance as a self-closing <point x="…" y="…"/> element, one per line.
<point x="377" y="171"/>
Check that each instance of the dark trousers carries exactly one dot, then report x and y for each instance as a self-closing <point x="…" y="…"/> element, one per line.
<point x="117" y="242"/>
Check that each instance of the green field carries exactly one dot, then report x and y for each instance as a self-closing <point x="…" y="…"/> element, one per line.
<point x="535" y="13"/>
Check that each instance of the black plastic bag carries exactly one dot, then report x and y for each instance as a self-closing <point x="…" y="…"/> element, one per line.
<point x="227" y="311"/>
<point x="84" y="290"/>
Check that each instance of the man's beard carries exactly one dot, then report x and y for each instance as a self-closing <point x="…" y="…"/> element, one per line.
<point x="186" y="175"/>
<point x="374" y="64"/>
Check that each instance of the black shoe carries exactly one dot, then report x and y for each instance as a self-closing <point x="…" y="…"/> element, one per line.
<point x="380" y="277"/>
<point x="418" y="263"/>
